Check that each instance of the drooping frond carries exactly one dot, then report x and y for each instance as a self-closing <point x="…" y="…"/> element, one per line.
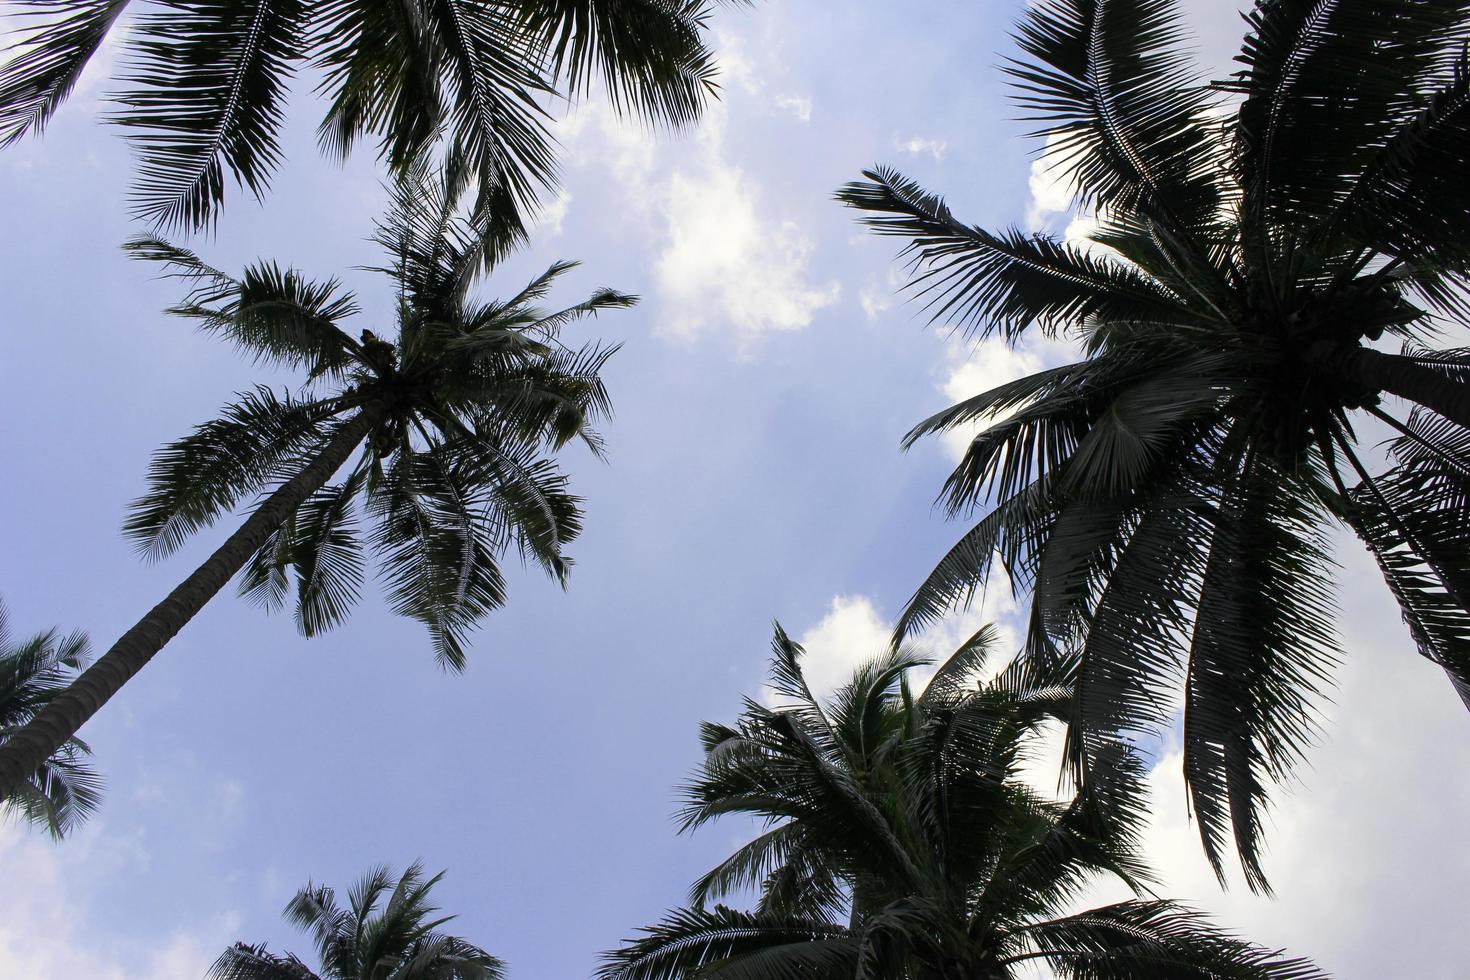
<point x="206" y="97"/>
<point x="1013" y="531"/>
<point x="1153" y="940"/>
<point x="649" y="54"/>
<point x="47" y="56"/>
<point x="1260" y="660"/>
<point x="1415" y="521"/>
<point x="326" y="553"/>
<point x="194" y="480"/>
<point x="1110" y="83"/>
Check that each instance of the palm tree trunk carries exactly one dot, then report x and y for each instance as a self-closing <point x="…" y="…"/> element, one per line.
<point x="25" y="751"/>
<point x="1407" y="377"/>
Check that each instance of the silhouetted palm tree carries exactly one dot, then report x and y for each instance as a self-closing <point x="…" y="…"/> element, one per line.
<point x="64" y="790"/>
<point x="446" y="429"/>
<point x="1167" y="497"/>
<point x="389" y="931"/>
<point x="903" y="845"/>
<point x="207" y="81"/>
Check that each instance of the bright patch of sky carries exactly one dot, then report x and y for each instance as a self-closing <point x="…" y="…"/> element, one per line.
<point x="762" y="390"/>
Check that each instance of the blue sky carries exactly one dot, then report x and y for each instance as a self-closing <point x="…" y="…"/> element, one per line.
<point x="754" y="473"/>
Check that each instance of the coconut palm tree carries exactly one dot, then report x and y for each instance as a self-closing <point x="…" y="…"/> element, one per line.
<point x="389" y="931"/>
<point x="63" y="790"/>
<point x="903" y="844"/>
<point x="1167" y="497"/>
<point x="442" y="434"/>
<point x="207" y="81"/>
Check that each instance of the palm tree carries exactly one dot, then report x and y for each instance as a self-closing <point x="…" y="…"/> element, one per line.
<point x="207" y="82"/>
<point x="63" y="790"/>
<point x="1167" y="497"/>
<point x="903" y="845"/>
<point x="398" y="941"/>
<point x="443" y="435"/>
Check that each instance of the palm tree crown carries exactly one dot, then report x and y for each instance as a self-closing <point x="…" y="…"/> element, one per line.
<point x="65" y="790"/>
<point x="1166" y="497"/>
<point x="903" y="845"/>
<point x="207" y="81"/>
<point x="389" y="931"/>
<point x="442" y="433"/>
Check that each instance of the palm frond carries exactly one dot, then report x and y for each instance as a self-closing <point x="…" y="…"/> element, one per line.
<point x="65" y="790"/>
<point x="327" y="555"/>
<point x="986" y="283"/>
<point x="1154" y="940"/>
<point x="1326" y="86"/>
<point x="206" y="94"/>
<point x="243" y="961"/>
<point x="274" y="314"/>
<point x="725" y="943"/>
<point x="47" y="57"/>
<point x="1262" y="655"/>
<point x="1109" y="82"/>
<point x="1013" y="531"/>
<point x="650" y="54"/>
<point x="437" y="553"/>
<point x="192" y="481"/>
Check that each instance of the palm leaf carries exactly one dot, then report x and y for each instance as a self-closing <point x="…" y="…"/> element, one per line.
<point x="207" y="95"/>
<point x="47" y="58"/>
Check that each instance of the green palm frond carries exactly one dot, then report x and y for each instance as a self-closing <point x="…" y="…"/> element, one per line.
<point x="1109" y="83"/>
<point x="65" y="790"/>
<point x="274" y="314"/>
<point x="49" y="53"/>
<point x="1165" y="499"/>
<point x="723" y="942"/>
<point x="1262" y="646"/>
<point x="901" y="839"/>
<point x="195" y="480"/>
<point x="649" y="54"/>
<point x="1153" y="940"/>
<point x="243" y="961"/>
<point x="327" y="556"/>
<point x="389" y="929"/>
<point x="988" y="283"/>
<point x="206" y="85"/>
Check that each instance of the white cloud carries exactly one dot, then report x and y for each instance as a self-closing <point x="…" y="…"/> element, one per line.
<point x="875" y="301"/>
<point x="723" y="259"/>
<point x="848" y="636"/>
<point x="548" y="221"/>
<point x="594" y="134"/>
<point x="919" y="145"/>
<point x="852" y="632"/>
<point x="43" y="929"/>
<point x="799" y="106"/>
<point x="735" y="64"/>
<point x="1051" y="191"/>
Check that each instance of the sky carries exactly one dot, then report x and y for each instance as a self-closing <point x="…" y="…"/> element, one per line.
<point x="753" y="475"/>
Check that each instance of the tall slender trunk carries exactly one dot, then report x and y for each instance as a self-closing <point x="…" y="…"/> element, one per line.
<point x="25" y="751"/>
<point x="1406" y="377"/>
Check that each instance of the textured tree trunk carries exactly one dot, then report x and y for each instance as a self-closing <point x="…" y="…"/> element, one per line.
<point x="1407" y="378"/>
<point x="39" y="738"/>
